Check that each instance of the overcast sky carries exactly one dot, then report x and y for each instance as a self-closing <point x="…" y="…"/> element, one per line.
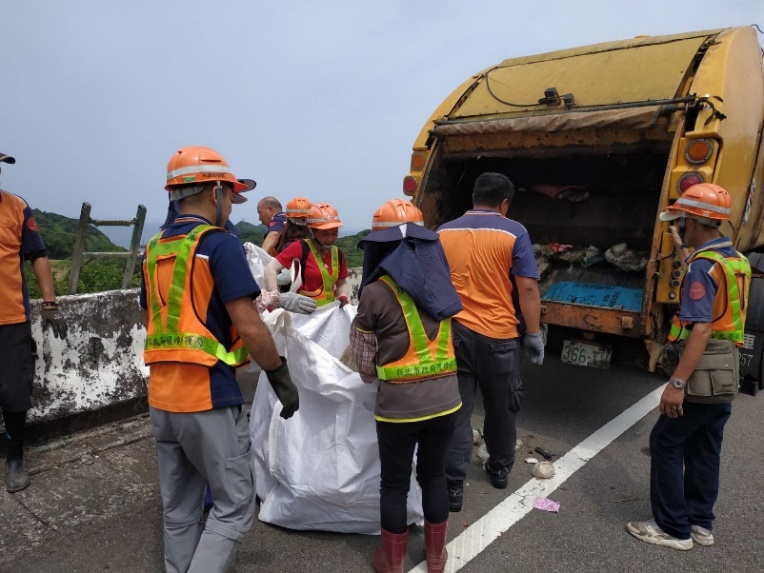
<point x="321" y="99"/>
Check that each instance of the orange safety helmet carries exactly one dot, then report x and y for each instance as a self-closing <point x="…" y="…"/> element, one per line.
<point x="705" y="201"/>
<point x="197" y="164"/>
<point x="394" y="213"/>
<point x="298" y="208"/>
<point x="323" y="217"/>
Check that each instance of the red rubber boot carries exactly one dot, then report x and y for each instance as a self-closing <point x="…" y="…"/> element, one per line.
<point x="435" y="546"/>
<point x="389" y="558"/>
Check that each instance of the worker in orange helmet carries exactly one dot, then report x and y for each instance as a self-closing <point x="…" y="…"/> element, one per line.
<point x="296" y="227"/>
<point x="323" y="268"/>
<point x="197" y="298"/>
<point x="401" y="340"/>
<point x="702" y="361"/>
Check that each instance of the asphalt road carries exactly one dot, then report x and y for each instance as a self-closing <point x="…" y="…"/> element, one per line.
<point x="94" y="505"/>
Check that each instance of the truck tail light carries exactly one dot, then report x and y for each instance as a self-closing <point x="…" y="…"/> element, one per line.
<point x="699" y="151"/>
<point x="688" y="180"/>
<point x="417" y="161"/>
<point x="409" y="185"/>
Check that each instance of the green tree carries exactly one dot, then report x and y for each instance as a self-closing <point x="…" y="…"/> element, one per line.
<point x="349" y="246"/>
<point x="60" y="281"/>
<point x="98" y="275"/>
<point x="249" y="233"/>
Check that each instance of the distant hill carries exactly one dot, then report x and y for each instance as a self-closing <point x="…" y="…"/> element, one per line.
<point x="59" y="234"/>
<point x="249" y="233"/>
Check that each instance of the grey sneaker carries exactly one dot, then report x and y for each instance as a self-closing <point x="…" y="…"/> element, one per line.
<point x="702" y="536"/>
<point x="649" y="532"/>
<point x="16" y="477"/>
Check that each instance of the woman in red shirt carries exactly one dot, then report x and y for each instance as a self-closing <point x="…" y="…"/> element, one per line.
<point x="322" y="265"/>
<point x="296" y="226"/>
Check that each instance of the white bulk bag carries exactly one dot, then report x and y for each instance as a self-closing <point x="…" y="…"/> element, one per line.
<point x="319" y="470"/>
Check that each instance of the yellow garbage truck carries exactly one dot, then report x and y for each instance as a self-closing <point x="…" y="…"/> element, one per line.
<point x="598" y="140"/>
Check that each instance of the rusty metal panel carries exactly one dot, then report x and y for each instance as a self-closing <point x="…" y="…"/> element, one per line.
<point x="611" y="321"/>
<point x="509" y="144"/>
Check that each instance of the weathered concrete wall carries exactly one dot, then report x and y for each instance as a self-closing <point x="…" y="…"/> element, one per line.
<point x="100" y="363"/>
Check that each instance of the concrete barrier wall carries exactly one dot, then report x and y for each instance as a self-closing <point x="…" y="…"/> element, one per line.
<point x="100" y="363"/>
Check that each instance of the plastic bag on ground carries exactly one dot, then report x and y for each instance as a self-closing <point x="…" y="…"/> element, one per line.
<point x="320" y="469"/>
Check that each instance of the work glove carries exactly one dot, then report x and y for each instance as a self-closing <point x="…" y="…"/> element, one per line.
<point x="343" y="298"/>
<point x="534" y="347"/>
<point x="286" y="391"/>
<point x="294" y="302"/>
<point x="52" y="317"/>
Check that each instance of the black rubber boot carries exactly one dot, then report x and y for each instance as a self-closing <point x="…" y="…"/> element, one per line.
<point x="16" y="477"/>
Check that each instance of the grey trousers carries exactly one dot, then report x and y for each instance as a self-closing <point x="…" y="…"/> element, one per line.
<point x="194" y="449"/>
<point x="492" y="364"/>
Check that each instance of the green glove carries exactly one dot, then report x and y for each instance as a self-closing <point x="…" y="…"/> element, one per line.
<point x="286" y="391"/>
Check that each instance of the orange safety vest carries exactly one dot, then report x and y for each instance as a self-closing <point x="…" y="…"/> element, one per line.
<point x="424" y="358"/>
<point x="324" y="295"/>
<point x="175" y="332"/>
<point x="729" y="310"/>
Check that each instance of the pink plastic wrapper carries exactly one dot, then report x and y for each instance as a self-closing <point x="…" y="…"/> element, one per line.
<point x="547" y="505"/>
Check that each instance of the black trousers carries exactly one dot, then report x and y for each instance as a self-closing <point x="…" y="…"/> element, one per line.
<point x="17" y="350"/>
<point x="492" y="364"/>
<point x="396" y="451"/>
<point x="685" y="456"/>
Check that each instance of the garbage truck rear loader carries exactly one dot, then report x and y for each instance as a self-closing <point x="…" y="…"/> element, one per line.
<point x="598" y="140"/>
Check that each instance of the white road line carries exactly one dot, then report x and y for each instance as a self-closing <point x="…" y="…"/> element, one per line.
<point x="488" y="528"/>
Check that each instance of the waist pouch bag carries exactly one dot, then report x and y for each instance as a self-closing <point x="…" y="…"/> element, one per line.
<point x="717" y="375"/>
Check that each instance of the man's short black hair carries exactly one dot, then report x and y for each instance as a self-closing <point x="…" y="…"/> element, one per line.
<point x="491" y="189"/>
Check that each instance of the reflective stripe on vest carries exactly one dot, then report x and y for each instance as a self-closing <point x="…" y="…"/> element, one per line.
<point x="164" y="342"/>
<point x="326" y="295"/>
<point x="730" y="325"/>
<point x="425" y="358"/>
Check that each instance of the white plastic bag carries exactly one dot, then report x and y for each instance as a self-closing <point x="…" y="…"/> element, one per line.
<point x="258" y="259"/>
<point x="319" y="470"/>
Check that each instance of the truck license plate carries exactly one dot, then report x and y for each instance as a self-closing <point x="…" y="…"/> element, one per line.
<point x="582" y="353"/>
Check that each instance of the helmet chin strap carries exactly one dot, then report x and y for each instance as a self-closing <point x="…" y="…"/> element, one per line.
<point x="219" y="210"/>
<point x="319" y="243"/>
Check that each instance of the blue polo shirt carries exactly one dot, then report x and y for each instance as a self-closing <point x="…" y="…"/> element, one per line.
<point x="227" y="261"/>
<point x="700" y="284"/>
